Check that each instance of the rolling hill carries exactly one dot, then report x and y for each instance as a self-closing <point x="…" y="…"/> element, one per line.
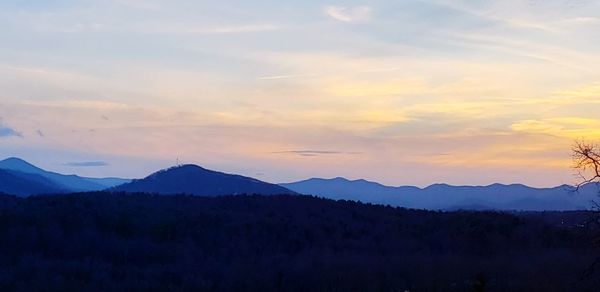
<point x="447" y="197"/>
<point x="25" y="184"/>
<point x="70" y="183"/>
<point x="195" y="180"/>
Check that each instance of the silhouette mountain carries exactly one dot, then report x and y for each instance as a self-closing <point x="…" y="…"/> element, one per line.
<point x="195" y="180"/>
<point x="24" y="184"/>
<point x="340" y="188"/>
<point x="448" y="197"/>
<point x="70" y="183"/>
<point x="21" y="178"/>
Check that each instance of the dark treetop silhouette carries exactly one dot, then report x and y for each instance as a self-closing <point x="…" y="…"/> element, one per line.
<point x="129" y="242"/>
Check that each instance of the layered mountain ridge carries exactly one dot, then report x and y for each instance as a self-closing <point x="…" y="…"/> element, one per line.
<point x="21" y="178"/>
<point x="67" y="183"/>
<point x="447" y="197"/>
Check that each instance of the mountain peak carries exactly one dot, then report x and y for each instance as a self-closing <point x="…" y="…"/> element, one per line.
<point x="65" y="182"/>
<point x="187" y="167"/>
<point x="438" y="185"/>
<point x="15" y="160"/>
<point x="18" y="164"/>
<point x="195" y="180"/>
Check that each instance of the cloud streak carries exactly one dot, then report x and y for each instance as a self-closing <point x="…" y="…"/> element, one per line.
<point x="87" y="164"/>
<point x="204" y="29"/>
<point x="6" y="131"/>
<point x="290" y="76"/>
<point x="349" y="14"/>
<point x="493" y="83"/>
<point x="313" y="152"/>
<point x="9" y="132"/>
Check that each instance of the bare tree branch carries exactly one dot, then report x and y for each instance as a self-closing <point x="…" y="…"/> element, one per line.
<point x="586" y="160"/>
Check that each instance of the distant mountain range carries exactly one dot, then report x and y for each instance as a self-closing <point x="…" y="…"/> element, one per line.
<point x="52" y="182"/>
<point x="25" y="184"/>
<point x="21" y="178"/>
<point x="195" y="180"/>
<point x="447" y="197"/>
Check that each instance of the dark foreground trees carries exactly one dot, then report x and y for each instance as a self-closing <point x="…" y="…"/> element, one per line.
<point x="119" y="242"/>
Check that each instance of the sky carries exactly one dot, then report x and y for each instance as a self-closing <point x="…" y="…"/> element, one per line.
<point x="400" y="92"/>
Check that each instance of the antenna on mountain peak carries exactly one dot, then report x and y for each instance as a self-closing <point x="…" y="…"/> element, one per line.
<point x="177" y="162"/>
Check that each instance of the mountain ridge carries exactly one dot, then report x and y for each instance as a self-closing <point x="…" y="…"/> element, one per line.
<point x="196" y="180"/>
<point x="25" y="184"/>
<point x="68" y="182"/>
<point x="495" y="196"/>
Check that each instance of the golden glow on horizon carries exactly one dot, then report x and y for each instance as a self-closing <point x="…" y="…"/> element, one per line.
<point x="569" y="127"/>
<point x="499" y="86"/>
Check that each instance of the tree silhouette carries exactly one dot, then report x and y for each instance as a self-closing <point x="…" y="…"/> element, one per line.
<point x="110" y="241"/>
<point x="586" y="158"/>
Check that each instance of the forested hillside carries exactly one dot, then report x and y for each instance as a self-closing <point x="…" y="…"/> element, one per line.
<point x="125" y="242"/>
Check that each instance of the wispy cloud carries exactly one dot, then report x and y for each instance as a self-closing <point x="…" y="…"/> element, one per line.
<point x="569" y="127"/>
<point x="139" y="4"/>
<point x="313" y="152"/>
<point x="172" y="28"/>
<point x="87" y="164"/>
<point x="349" y="14"/>
<point x="9" y="132"/>
<point x="487" y="81"/>
<point x="6" y="131"/>
<point x="290" y="76"/>
<point x="192" y="29"/>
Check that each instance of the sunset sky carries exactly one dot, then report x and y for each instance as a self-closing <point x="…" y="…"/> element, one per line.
<point x="399" y="92"/>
